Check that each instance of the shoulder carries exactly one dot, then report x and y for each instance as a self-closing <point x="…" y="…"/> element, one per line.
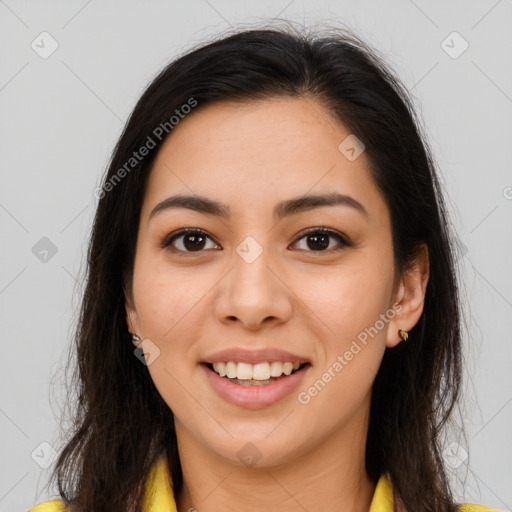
<point x="383" y="499"/>
<point x="471" y="507"/>
<point x="49" y="506"/>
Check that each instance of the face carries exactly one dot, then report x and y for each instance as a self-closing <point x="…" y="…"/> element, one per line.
<point x="257" y="285"/>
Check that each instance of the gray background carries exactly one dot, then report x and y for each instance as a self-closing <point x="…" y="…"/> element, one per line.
<point x="61" y="116"/>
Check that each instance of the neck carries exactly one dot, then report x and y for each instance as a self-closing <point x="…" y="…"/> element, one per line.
<point x="278" y="489"/>
<point x="321" y="479"/>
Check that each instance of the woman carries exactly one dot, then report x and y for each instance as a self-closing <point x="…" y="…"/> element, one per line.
<point x="272" y="238"/>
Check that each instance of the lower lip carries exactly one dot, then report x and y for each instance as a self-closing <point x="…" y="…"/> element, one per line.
<point x="254" y="397"/>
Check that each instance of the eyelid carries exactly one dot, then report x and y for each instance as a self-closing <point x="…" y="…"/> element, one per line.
<point x="342" y="238"/>
<point x="185" y="231"/>
<point x="334" y="233"/>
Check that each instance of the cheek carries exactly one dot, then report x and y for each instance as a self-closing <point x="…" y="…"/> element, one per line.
<point x="347" y="322"/>
<point x="170" y="305"/>
<point x="167" y="304"/>
<point x="349" y="300"/>
<point x="166" y="300"/>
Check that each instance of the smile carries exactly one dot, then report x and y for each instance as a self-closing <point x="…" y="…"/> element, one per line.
<point x="254" y="374"/>
<point x="254" y="386"/>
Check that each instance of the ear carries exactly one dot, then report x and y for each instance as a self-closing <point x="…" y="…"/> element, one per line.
<point x="132" y="317"/>
<point x="409" y="298"/>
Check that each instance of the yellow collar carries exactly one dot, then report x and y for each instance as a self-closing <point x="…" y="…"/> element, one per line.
<point x="159" y="495"/>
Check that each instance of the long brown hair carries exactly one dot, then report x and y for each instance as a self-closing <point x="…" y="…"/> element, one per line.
<point x="121" y="424"/>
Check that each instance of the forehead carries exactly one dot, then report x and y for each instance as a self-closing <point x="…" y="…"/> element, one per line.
<point x="248" y="153"/>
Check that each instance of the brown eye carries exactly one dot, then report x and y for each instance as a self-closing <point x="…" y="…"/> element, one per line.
<point x="318" y="240"/>
<point x="196" y="240"/>
<point x="187" y="240"/>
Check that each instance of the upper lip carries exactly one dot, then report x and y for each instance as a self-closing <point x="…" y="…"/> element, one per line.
<point x="241" y="355"/>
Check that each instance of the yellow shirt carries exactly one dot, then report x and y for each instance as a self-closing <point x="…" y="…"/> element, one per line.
<point x="159" y="496"/>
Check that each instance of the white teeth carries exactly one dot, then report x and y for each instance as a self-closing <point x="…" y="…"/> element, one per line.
<point x="259" y="371"/>
<point x="230" y="369"/>
<point x="244" y="371"/>
<point x="221" y="369"/>
<point x="276" y="369"/>
<point x="287" y="368"/>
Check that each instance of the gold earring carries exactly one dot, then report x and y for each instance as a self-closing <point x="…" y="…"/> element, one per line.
<point x="403" y="334"/>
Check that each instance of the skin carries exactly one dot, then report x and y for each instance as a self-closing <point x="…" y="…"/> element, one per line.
<point x="310" y="302"/>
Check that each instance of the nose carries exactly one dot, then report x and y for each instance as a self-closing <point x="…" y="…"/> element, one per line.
<point x="254" y="294"/>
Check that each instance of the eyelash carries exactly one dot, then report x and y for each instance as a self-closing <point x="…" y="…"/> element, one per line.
<point x="196" y="231"/>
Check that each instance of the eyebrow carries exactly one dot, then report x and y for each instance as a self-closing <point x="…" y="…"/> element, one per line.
<point x="281" y="210"/>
